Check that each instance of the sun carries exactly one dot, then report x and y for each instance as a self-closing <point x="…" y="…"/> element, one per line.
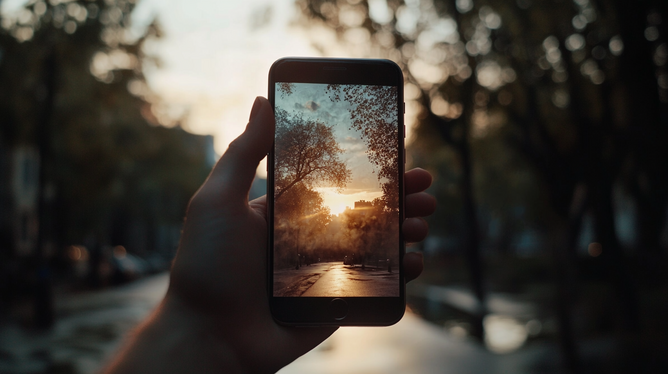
<point x="338" y="202"/>
<point x="337" y="209"/>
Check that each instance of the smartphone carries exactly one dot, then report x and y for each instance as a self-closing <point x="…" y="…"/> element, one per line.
<point x="335" y="192"/>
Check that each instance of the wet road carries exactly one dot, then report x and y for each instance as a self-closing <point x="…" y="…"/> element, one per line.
<point x="91" y="326"/>
<point x="294" y="282"/>
<point x="411" y="346"/>
<point x="347" y="281"/>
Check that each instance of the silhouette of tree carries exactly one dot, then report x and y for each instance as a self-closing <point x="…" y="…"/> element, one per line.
<point x="307" y="153"/>
<point x="371" y="231"/>
<point x="300" y="202"/>
<point x="300" y="220"/>
<point x="374" y="116"/>
<point x="285" y="88"/>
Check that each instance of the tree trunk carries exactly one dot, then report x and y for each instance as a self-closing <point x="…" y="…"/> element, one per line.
<point x="648" y="129"/>
<point x="472" y="241"/>
<point x="43" y="293"/>
<point x="612" y="256"/>
<point x="565" y="259"/>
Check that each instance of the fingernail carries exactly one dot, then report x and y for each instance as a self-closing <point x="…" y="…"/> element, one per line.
<point x="256" y="108"/>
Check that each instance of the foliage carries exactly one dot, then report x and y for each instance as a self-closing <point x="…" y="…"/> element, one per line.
<point x="372" y="231"/>
<point x="306" y="153"/>
<point x="301" y="203"/>
<point x="306" y="156"/>
<point x="300" y="226"/>
<point x="373" y="115"/>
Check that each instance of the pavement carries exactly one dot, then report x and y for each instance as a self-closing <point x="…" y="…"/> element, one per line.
<point x="294" y="282"/>
<point x="348" y="281"/>
<point x="88" y="330"/>
<point x="333" y="279"/>
<point x="412" y="346"/>
<point x="91" y="326"/>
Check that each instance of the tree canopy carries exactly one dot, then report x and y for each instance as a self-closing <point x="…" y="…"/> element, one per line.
<point x="306" y="152"/>
<point x="374" y="116"/>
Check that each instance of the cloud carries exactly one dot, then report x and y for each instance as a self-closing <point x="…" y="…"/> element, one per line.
<point x="358" y="191"/>
<point x="312" y="105"/>
<point x="353" y="145"/>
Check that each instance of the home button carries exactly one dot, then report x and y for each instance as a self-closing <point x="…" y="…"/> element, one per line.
<point x="338" y="309"/>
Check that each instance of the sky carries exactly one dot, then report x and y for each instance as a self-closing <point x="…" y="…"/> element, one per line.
<point x="312" y="102"/>
<point x="217" y="56"/>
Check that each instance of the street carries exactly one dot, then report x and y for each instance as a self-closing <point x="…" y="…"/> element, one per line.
<point x="91" y="326"/>
<point x="294" y="282"/>
<point x="334" y="279"/>
<point x="342" y="280"/>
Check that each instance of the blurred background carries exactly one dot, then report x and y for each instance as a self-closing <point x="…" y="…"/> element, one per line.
<point x="544" y="123"/>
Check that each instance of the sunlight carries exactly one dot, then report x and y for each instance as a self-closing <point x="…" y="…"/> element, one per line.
<point x="338" y="202"/>
<point x="337" y="209"/>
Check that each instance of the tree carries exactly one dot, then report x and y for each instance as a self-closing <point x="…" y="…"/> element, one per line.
<point x="372" y="231"/>
<point x="72" y="84"/>
<point x="300" y="221"/>
<point x="306" y="152"/>
<point x="300" y="202"/>
<point x="285" y="88"/>
<point x="73" y="92"/>
<point x="374" y="116"/>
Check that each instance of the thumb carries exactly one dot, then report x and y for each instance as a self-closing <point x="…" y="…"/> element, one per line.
<point x="233" y="174"/>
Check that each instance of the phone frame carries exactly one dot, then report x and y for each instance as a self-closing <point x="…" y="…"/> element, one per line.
<point x="317" y="311"/>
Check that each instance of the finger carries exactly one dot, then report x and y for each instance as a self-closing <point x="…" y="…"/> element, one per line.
<point x="259" y="205"/>
<point x="413" y="265"/>
<point x="415" y="230"/>
<point x="234" y="172"/>
<point x="259" y="202"/>
<point x="416" y="180"/>
<point x="420" y="204"/>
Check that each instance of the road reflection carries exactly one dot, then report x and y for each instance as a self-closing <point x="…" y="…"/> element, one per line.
<point x="504" y="334"/>
<point x="413" y="346"/>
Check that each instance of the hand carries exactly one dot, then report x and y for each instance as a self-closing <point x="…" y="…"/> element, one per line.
<point x="216" y="308"/>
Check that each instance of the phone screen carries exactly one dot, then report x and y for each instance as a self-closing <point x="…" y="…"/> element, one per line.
<point x="336" y="203"/>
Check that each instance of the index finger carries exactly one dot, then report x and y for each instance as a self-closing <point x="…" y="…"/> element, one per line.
<point x="416" y="180"/>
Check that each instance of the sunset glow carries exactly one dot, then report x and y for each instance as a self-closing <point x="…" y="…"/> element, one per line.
<point x="337" y="202"/>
